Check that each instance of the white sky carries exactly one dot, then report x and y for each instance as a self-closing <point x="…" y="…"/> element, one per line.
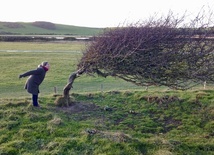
<point x="95" y="13"/>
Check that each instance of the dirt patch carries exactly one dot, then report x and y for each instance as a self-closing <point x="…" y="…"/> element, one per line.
<point x="78" y="107"/>
<point x="164" y="100"/>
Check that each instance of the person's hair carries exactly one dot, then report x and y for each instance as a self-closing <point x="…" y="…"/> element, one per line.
<point x="44" y="63"/>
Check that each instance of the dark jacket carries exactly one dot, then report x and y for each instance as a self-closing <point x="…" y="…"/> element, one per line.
<point x="35" y="79"/>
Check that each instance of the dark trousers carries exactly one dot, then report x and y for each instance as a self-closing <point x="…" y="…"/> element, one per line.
<point x="35" y="100"/>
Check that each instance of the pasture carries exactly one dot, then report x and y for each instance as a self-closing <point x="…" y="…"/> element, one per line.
<point x="19" y="57"/>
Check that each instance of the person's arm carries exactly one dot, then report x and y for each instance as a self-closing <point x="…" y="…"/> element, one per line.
<point x="32" y="72"/>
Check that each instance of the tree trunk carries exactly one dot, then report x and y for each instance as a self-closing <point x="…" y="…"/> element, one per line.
<point x="68" y="86"/>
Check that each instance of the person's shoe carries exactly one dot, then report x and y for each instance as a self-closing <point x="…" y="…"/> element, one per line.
<point x="38" y="106"/>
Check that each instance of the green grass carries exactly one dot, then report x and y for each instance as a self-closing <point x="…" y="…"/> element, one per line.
<point x="42" y="46"/>
<point x="110" y="116"/>
<point x="16" y="58"/>
<point x="134" y="126"/>
<point x="19" y="57"/>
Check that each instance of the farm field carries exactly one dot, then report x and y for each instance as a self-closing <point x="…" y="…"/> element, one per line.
<point x="18" y="57"/>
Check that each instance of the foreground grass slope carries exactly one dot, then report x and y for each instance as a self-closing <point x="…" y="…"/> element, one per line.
<point x="115" y="122"/>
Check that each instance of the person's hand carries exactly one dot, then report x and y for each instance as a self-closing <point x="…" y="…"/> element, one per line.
<point x="20" y="76"/>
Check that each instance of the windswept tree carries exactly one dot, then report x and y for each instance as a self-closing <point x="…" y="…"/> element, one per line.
<point x="161" y="52"/>
<point x="157" y="52"/>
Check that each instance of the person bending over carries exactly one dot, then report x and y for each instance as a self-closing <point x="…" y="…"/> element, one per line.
<point x="35" y="79"/>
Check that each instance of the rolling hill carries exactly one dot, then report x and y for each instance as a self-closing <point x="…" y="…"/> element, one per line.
<point x="45" y="28"/>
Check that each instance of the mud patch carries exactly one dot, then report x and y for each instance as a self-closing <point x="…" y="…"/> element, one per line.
<point x="78" y="107"/>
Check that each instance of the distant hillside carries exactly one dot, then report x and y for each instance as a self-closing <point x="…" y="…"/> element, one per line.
<point x="45" y="28"/>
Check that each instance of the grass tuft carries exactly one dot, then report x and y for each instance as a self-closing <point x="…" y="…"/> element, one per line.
<point x="61" y="101"/>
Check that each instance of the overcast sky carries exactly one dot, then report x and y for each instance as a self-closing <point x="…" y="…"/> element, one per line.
<point x="95" y="13"/>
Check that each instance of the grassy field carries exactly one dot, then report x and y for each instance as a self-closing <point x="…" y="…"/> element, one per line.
<point x="108" y="116"/>
<point x="19" y="57"/>
<point x="16" y="58"/>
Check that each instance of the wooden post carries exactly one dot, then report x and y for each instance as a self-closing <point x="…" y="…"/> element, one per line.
<point x="101" y="87"/>
<point x="205" y="83"/>
<point x="55" y="90"/>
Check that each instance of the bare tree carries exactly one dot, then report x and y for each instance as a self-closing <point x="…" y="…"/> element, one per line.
<point x="162" y="51"/>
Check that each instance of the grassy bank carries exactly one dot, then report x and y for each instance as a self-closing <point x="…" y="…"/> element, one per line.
<point x="126" y="123"/>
